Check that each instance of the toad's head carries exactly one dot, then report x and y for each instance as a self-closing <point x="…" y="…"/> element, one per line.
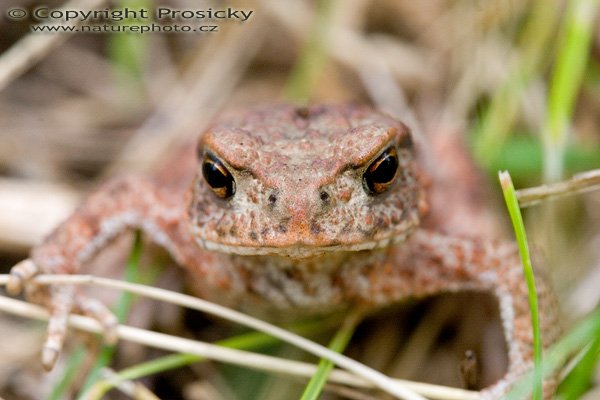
<point x="303" y="181"/>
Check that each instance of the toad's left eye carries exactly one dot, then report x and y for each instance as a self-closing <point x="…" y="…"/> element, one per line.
<point x="381" y="173"/>
<point x="218" y="176"/>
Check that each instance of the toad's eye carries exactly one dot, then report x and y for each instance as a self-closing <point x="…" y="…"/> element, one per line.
<point x="380" y="174"/>
<point x="218" y="176"/>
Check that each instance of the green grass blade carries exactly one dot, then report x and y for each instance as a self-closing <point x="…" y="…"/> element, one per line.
<point x="577" y="338"/>
<point x="306" y="72"/>
<point x="517" y="221"/>
<point x="128" y="52"/>
<point x="566" y="81"/>
<point x="499" y="118"/>
<point x="338" y="343"/>
<point x="121" y="312"/>
<point x="246" y="341"/>
<point x="172" y="361"/>
<point x="580" y="378"/>
<point x="74" y="363"/>
<point x="523" y="155"/>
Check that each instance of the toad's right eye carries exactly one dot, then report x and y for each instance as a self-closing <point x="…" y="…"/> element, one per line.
<point x="381" y="173"/>
<point x="217" y="176"/>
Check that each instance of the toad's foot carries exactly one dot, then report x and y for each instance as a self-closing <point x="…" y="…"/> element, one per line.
<point x="60" y="301"/>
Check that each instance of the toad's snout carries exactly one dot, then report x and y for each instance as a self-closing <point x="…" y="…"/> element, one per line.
<point x="299" y="208"/>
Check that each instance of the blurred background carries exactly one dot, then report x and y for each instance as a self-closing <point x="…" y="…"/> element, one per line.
<point x="517" y="82"/>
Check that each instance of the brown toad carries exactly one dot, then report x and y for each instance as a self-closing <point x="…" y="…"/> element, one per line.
<point x="302" y="209"/>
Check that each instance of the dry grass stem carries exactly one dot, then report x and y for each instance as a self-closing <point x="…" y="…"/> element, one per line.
<point x="421" y="341"/>
<point x="239" y="357"/>
<point x="580" y="183"/>
<point x="378" y="379"/>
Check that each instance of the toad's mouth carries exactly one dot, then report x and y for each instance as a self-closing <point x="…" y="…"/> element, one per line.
<point x="301" y="250"/>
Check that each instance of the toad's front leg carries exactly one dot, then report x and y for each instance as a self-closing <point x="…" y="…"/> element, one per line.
<point x="120" y="204"/>
<point x="431" y="263"/>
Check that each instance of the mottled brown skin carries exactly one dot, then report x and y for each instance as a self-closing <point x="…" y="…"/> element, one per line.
<point x="301" y="233"/>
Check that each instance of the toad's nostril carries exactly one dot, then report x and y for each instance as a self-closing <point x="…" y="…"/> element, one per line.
<point x="303" y="112"/>
<point x="272" y="199"/>
<point x="324" y="196"/>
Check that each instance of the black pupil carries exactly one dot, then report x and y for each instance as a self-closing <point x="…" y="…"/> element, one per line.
<point x="217" y="176"/>
<point x="382" y="171"/>
<point x="386" y="170"/>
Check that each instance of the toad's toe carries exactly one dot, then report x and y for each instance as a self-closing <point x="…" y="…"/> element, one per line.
<point x="61" y="302"/>
<point x="97" y="310"/>
<point x="20" y="274"/>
